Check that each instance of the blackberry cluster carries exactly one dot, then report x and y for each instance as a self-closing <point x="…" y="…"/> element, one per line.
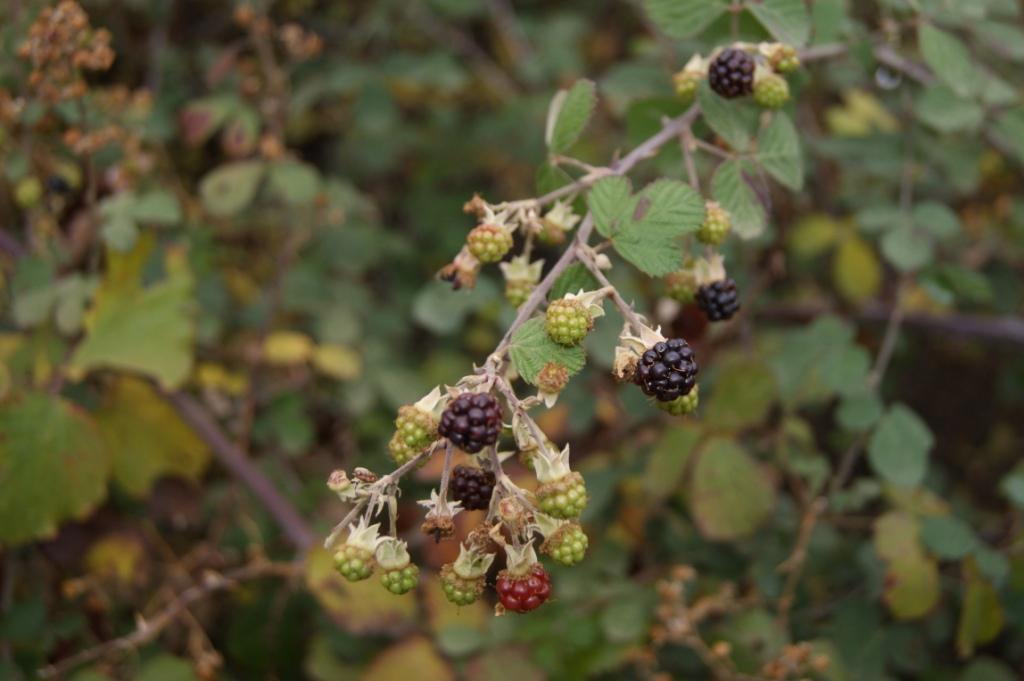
<point x="667" y="370"/>
<point x="473" y="487"/>
<point x="719" y="300"/>
<point x="731" y="73"/>
<point x="471" y="422"/>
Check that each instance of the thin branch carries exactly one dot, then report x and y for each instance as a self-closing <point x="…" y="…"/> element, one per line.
<point x="148" y="630"/>
<point x="235" y="460"/>
<point x="635" y="320"/>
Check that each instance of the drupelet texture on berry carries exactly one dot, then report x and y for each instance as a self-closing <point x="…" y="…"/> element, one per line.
<point x="523" y="593"/>
<point x="471" y="422"/>
<point x="568" y="321"/>
<point x="473" y="487"/>
<point x="731" y="73"/>
<point x="400" y="580"/>
<point x="771" y="92"/>
<point x="719" y="300"/>
<point x="489" y="243"/>
<point x="667" y="370"/>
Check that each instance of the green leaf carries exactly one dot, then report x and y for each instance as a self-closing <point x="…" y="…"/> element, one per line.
<point x="148" y="330"/>
<point x="730" y="495"/>
<point x="569" y="114"/>
<point x="652" y="224"/>
<point x="574" y="278"/>
<point x="859" y="410"/>
<point x="684" y="18"/>
<point x="856" y="272"/>
<point x="607" y="201"/>
<point x="813" y="235"/>
<point x="549" y="178"/>
<point x="981" y="616"/>
<point x="936" y="218"/>
<point x="531" y="349"/>
<point x="898" y="449"/>
<point x="846" y="369"/>
<point x="908" y="247"/>
<point x="166" y="668"/>
<point x="159" y="206"/>
<point x="732" y="120"/>
<point x="229" y="189"/>
<point x="1009" y="38"/>
<point x="442" y="311"/>
<point x="787" y="20"/>
<point x="119" y="232"/>
<point x="731" y="188"/>
<point x="53" y="467"/>
<point x="744" y="391"/>
<point x="948" y="537"/>
<point x="667" y="462"/>
<point x="293" y="182"/>
<point x="778" y="150"/>
<point x="1012" y="486"/>
<point x="146" y="438"/>
<point x="988" y="669"/>
<point x="1009" y="130"/>
<point x="941" y="109"/>
<point x="949" y="59"/>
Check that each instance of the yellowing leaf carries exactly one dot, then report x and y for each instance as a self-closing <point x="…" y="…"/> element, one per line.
<point x="53" y="467"/>
<point x="911" y="585"/>
<point x="855" y="270"/>
<point x="115" y="557"/>
<point x="337" y="361"/>
<point x="148" y="330"/>
<point x="287" y="347"/>
<point x="363" y="607"/>
<point x="146" y="438"/>
<point x="862" y="114"/>
<point x="813" y="235"/>
<point x="730" y="495"/>
<point x="413" y="658"/>
<point x="216" y="377"/>
<point x="981" y="616"/>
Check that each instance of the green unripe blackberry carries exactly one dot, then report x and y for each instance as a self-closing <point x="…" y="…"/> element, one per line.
<point x="489" y="243"/>
<point x="784" y="58"/>
<point x="682" y="286"/>
<point x="687" y="404"/>
<point x="567" y="545"/>
<point x="568" y="321"/>
<point x="685" y="83"/>
<point x="716" y="225"/>
<point x="460" y="590"/>
<point x="517" y="291"/>
<point x="415" y="430"/>
<point x="401" y="580"/>
<point x="771" y="91"/>
<point x="355" y="563"/>
<point x="564" y="498"/>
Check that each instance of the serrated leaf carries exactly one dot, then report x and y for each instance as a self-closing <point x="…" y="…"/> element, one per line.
<point x="898" y="449"/>
<point x="531" y="349"/>
<point x="571" y="110"/>
<point x="146" y="438"/>
<point x="574" y="278"/>
<point x="550" y="177"/>
<point x="148" y="330"/>
<point x="730" y="188"/>
<point x="684" y="18"/>
<point x="787" y="20"/>
<point x="667" y="462"/>
<point x="949" y="59"/>
<point x="1009" y="130"/>
<point x="859" y="410"/>
<point x="908" y="247"/>
<point x="732" y="120"/>
<point x="654" y="221"/>
<point x="229" y="189"/>
<point x="856" y="272"/>
<point x="778" y="150"/>
<point x="607" y="201"/>
<point x="53" y="467"/>
<point x="730" y="496"/>
<point x="744" y="391"/>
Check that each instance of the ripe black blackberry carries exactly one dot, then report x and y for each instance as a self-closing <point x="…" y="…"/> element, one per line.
<point x="473" y="487"/>
<point x="471" y="422"/>
<point x="667" y="370"/>
<point x="731" y="73"/>
<point x="719" y="300"/>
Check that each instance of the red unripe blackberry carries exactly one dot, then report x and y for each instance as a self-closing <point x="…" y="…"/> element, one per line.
<point x="667" y="370"/>
<point x="473" y="487"/>
<point x="731" y="73"/>
<point x="471" y="422"/>
<point x="523" y="593"/>
<point x="719" y="300"/>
